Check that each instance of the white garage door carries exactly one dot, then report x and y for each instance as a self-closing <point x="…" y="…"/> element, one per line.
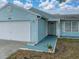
<point x="4" y="30"/>
<point x="19" y="31"/>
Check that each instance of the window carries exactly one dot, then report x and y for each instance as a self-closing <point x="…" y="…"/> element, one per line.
<point x="67" y="26"/>
<point x="70" y="26"/>
<point x="74" y="26"/>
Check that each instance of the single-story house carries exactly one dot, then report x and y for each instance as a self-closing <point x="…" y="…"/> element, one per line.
<point x="33" y="25"/>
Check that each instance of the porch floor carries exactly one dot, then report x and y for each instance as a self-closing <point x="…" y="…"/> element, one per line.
<point x="42" y="45"/>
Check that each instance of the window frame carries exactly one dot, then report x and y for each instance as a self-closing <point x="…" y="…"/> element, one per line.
<point x="64" y="26"/>
<point x="72" y="26"/>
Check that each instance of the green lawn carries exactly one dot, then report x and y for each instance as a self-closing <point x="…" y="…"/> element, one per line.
<point x="66" y="49"/>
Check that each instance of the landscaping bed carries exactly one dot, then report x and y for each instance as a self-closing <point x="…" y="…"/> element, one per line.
<point x="66" y="49"/>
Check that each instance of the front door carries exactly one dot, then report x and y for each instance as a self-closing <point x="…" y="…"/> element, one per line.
<point x="51" y="28"/>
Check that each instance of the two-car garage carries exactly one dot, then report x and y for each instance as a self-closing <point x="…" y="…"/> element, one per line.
<point x="18" y="24"/>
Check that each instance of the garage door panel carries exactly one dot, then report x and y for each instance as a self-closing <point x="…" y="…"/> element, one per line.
<point x="4" y="30"/>
<point x="20" y="31"/>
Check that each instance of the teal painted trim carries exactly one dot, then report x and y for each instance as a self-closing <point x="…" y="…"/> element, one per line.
<point x="69" y="33"/>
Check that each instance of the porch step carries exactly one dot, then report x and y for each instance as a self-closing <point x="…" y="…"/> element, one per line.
<point x="35" y="48"/>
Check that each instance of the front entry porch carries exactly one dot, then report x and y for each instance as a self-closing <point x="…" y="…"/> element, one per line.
<point x="47" y="33"/>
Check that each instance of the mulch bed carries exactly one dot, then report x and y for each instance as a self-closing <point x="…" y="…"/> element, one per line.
<point x="66" y="49"/>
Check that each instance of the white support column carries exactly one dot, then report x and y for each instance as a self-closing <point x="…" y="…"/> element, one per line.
<point x="58" y="29"/>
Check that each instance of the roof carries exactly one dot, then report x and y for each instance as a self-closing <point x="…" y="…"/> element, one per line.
<point x="48" y="13"/>
<point x="35" y="11"/>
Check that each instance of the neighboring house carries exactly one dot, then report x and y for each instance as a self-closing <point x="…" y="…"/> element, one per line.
<point x="19" y="24"/>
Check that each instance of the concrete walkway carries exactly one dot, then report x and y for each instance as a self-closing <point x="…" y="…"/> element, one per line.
<point x="42" y="45"/>
<point x="9" y="47"/>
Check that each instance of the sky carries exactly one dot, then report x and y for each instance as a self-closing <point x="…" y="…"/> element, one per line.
<point x="36" y="3"/>
<point x="46" y="4"/>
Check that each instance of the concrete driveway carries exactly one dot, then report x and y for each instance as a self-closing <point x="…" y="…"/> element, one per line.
<point x="9" y="47"/>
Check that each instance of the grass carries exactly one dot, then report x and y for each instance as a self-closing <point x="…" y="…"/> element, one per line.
<point x="66" y="49"/>
<point x="69" y="40"/>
